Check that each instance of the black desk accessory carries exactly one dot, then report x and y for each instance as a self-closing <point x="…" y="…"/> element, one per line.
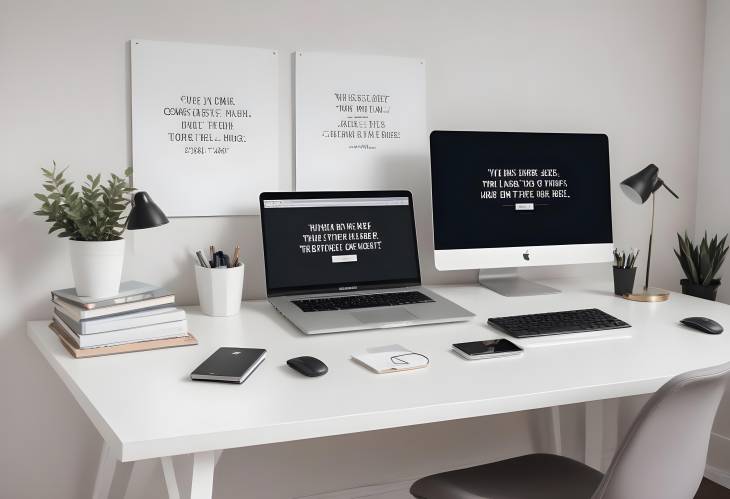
<point x="145" y="213"/>
<point x="229" y="365"/>
<point x="703" y="324"/>
<point x="308" y="366"/>
<point x="568" y="321"/>
<point x="638" y="187"/>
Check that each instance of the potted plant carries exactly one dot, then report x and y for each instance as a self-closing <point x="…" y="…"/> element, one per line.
<point x="94" y="220"/>
<point x="624" y="271"/>
<point x="700" y="264"/>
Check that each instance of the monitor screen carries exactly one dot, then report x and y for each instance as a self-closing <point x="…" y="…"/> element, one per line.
<point x="506" y="190"/>
<point x="337" y="241"/>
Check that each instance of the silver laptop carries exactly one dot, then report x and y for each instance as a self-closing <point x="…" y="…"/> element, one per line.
<point x="345" y="261"/>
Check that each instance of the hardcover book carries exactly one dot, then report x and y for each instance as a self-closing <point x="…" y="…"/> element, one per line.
<point x="132" y="335"/>
<point x="155" y="315"/>
<point x="140" y="346"/>
<point x="129" y="292"/>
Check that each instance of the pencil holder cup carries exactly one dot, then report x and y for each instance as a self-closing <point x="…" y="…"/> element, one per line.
<point x="623" y="280"/>
<point x="219" y="290"/>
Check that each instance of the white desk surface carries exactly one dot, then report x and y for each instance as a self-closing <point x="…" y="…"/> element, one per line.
<point x="145" y="406"/>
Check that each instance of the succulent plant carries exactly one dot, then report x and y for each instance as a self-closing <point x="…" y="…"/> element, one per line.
<point x="702" y="262"/>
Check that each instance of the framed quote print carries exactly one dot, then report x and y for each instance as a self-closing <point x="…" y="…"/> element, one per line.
<point x="360" y="121"/>
<point x="204" y="126"/>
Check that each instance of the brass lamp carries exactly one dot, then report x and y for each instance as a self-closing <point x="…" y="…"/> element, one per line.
<point x="638" y="187"/>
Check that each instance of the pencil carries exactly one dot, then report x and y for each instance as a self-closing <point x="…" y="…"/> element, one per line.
<point x="236" y="255"/>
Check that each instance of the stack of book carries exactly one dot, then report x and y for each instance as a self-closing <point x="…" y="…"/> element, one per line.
<point x="140" y="317"/>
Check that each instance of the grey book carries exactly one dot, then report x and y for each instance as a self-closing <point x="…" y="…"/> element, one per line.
<point x="129" y="292"/>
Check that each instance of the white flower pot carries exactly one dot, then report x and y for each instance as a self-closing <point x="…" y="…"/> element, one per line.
<point x="219" y="290"/>
<point x="97" y="267"/>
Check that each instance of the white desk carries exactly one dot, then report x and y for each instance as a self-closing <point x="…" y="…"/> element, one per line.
<point x="144" y="405"/>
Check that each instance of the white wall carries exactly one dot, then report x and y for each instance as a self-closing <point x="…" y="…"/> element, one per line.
<point x="714" y="175"/>
<point x="629" y="69"/>
<point x="714" y="167"/>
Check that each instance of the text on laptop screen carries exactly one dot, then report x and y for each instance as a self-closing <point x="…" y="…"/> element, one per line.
<point x="322" y="244"/>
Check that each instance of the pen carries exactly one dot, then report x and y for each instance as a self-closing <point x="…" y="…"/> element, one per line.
<point x="201" y="259"/>
<point x="219" y="259"/>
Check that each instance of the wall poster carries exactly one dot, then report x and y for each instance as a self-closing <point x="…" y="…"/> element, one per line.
<point x="360" y="121"/>
<point x="204" y="126"/>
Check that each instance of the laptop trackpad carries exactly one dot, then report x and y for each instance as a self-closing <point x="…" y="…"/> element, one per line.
<point x="394" y="314"/>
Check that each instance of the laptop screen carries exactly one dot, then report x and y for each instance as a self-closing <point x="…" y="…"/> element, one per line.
<point x="338" y="241"/>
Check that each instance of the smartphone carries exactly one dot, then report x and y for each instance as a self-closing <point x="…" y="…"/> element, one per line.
<point x="487" y="349"/>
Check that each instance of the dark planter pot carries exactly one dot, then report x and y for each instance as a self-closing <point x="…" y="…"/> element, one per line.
<point x="700" y="291"/>
<point x="623" y="280"/>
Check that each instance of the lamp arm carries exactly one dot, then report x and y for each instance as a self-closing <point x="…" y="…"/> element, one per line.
<point x="661" y="183"/>
<point x="651" y="239"/>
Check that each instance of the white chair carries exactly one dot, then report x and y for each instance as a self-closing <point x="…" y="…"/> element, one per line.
<point x="662" y="457"/>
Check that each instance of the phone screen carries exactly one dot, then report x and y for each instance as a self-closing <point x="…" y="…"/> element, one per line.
<point x="487" y="347"/>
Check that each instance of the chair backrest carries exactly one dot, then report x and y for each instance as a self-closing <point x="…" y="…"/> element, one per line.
<point x="664" y="454"/>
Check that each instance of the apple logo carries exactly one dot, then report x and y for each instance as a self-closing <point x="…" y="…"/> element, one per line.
<point x="526" y="255"/>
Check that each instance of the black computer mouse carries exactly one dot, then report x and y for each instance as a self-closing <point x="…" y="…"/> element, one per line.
<point x="308" y="366"/>
<point x="703" y="324"/>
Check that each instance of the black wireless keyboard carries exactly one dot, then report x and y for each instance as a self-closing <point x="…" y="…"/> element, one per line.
<point x="569" y="321"/>
<point x="361" y="301"/>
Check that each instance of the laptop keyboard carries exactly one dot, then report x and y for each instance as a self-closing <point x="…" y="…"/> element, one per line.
<point x="361" y="301"/>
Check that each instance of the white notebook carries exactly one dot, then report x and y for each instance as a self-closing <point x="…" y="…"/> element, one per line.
<point x="132" y="335"/>
<point x="391" y="359"/>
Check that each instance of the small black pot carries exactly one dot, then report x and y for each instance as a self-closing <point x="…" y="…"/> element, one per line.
<point x="623" y="280"/>
<point x="700" y="291"/>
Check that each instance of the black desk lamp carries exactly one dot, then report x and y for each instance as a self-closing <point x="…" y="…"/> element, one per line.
<point x="638" y="187"/>
<point x="145" y="213"/>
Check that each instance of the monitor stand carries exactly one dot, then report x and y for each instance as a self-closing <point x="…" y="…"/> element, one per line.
<point x="506" y="282"/>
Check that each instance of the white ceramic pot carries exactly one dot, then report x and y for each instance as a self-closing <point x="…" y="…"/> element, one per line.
<point x="97" y="267"/>
<point x="219" y="290"/>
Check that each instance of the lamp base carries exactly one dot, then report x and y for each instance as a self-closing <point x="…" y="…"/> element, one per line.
<point x="649" y="295"/>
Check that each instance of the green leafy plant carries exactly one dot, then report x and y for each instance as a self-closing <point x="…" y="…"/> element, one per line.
<point x="702" y="262"/>
<point x="96" y="213"/>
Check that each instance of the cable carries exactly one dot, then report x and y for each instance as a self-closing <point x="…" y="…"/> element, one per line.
<point x="396" y="359"/>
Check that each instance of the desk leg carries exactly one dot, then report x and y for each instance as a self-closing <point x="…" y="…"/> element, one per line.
<point x="104" y="473"/>
<point x="168" y="470"/>
<point x="203" y="468"/>
<point x="594" y="434"/>
<point x="112" y="477"/>
<point x="557" y="434"/>
<point x="200" y="472"/>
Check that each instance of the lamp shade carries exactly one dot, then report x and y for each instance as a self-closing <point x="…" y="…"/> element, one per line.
<point x="639" y="186"/>
<point x="145" y="214"/>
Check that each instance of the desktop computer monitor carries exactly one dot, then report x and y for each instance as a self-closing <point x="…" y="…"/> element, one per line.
<point x="504" y="200"/>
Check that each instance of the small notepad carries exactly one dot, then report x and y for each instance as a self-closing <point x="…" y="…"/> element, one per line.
<point x="391" y="359"/>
